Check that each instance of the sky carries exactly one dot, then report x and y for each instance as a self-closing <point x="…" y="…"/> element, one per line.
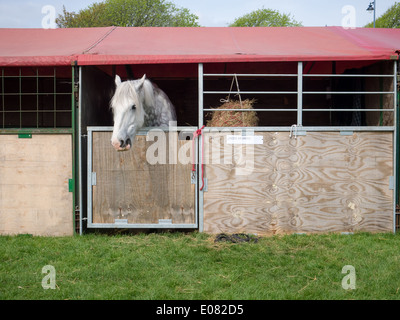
<point x="211" y="13"/>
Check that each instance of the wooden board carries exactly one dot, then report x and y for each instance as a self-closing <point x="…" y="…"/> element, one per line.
<point x="129" y="187"/>
<point x="34" y="192"/>
<point x="321" y="182"/>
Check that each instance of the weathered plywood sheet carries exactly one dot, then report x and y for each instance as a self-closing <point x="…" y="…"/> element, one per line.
<point x="129" y="187"/>
<point x="321" y="182"/>
<point x="34" y="192"/>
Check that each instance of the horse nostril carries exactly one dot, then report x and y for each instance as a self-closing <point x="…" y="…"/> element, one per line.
<point x="128" y="142"/>
<point x="122" y="143"/>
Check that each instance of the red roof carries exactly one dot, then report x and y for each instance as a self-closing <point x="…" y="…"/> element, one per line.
<point x="117" y="45"/>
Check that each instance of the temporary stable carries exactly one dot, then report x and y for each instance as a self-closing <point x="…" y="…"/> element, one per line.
<point x="323" y="157"/>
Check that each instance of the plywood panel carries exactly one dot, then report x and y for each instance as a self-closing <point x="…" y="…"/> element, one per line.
<point x="322" y="182"/>
<point x="130" y="187"/>
<point x="34" y="192"/>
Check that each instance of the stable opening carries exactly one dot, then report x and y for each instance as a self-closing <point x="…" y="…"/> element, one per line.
<point x="320" y="94"/>
<point x="143" y="195"/>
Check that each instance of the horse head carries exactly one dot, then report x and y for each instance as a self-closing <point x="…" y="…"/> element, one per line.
<point x="128" y="112"/>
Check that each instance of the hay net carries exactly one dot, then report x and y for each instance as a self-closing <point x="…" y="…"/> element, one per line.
<point x="228" y="118"/>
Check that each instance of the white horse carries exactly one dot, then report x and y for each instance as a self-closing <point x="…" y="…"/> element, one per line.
<point x="136" y="104"/>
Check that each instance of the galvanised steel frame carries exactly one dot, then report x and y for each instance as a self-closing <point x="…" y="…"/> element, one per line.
<point x="160" y="225"/>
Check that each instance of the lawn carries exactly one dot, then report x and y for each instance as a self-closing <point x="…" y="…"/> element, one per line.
<point x="165" y="266"/>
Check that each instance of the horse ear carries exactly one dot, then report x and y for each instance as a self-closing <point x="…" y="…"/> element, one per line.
<point x="142" y="80"/>
<point x="117" y="80"/>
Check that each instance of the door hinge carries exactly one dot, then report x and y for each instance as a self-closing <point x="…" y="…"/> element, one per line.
<point x="94" y="179"/>
<point x="205" y="186"/>
<point x="391" y="183"/>
<point x="193" y="177"/>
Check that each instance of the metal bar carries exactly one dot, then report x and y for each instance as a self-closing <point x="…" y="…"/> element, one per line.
<point x="55" y="100"/>
<point x="249" y="75"/>
<point x="250" y="92"/>
<point x="395" y="145"/>
<point x="40" y="111"/>
<point x="361" y="110"/>
<point x="304" y="128"/>
<point x="89" y="176"/>
<point x="20" y="98"/>
<point x="350" y="75"/>
<point x="143" y="131"/>
<point x="37" y="97"/>
<point x="380" y="102"/>
<point x="142" y="226"/>
<point x="2" y="99"/>
<point x="200" y="153"/>
<point x="347" y="92"/>
<point x="299" y="93"/>
<point x="28" y="76"/>
<point x="73" y="146"/>
<point x="277" y="109"/>
<point x="34" y="93"/>
<point x="80" y="152"/>
<point x="201" y="93"/>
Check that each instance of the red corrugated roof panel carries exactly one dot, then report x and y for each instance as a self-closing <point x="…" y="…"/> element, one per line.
<point x="27" y="47"/>
<point x="117" y="45"/>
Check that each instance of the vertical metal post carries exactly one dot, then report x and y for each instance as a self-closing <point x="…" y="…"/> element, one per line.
<point x="37" y="99"/>
<point x="2" y="98"/>
<point x="374" y="12"/>
<point x="395" y="145"/>
<point x="300" y="93"/>
<point x="73" y="145"/>
<point x="200" y="153"/>
<point x="55" y="98"/>
<point x="20" y="98"/>
<point x="201" y="89"/>
<point x="80" y="149"/>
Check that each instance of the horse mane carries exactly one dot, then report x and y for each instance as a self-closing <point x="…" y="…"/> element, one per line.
<point x="150" y="110"/>
<point x="148" y="93"/>
<point x="145" y="96"/>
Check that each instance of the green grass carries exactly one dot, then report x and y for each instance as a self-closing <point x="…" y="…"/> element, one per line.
<point x="191" y="266"/>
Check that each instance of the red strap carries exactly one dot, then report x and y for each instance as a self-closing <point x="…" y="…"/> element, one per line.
<point x="195" y="135"/>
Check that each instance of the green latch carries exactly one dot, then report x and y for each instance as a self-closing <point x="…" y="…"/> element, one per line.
<point x="71" y="185"/>
<point x="25" y="135"/>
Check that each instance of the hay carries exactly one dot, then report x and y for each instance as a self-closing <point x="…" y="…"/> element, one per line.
<point x="234" y="118"/>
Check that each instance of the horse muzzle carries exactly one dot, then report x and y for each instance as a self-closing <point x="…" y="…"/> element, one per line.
<point x="125" y="144"/>
<point x="122" y="145"/>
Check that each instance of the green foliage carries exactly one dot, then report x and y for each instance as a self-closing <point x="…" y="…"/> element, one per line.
<point x="129" y="13"/>
<point x="390" y="19"/>
<point x="265" y="18"/>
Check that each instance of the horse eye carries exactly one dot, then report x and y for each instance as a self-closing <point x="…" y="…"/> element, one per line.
<point x="134" y="107"/>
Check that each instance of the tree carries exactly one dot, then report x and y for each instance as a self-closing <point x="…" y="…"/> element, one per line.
<point x="94" y="16"/>
<point x="265" y="18"/>
<point x="129" y="13"/>
<point x="390" y="19"/>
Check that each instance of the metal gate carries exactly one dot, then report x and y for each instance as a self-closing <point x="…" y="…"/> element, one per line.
<point x="153" y="185"/>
